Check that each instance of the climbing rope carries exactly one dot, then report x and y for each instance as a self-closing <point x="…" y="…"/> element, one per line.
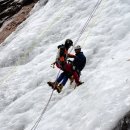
<point x="44" y="109"/>
<point x="87" y="22"/>
<point x="80" y="34"/>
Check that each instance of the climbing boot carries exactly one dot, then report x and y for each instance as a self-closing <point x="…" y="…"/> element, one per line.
<point x="53" y="84"/>
<point x="59" y="88"/>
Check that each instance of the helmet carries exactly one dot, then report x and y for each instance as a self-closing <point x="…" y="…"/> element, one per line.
<point x="68" y="43"/>
<point x="78" y="47"/>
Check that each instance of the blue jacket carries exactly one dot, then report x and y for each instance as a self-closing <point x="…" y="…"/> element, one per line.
<point x="79" y="61"/>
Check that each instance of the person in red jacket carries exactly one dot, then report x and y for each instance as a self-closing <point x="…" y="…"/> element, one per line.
<point x="61" y="59"/>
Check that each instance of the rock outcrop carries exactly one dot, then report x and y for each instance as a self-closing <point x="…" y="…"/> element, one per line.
<point x="124" y="123"/>
<point x="19" y="9"/>
<point x="10" y="7"/>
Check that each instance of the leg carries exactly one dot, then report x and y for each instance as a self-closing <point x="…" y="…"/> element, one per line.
<point x="69" y="70"/>
<point x="64" y="80"/>
<point x="60" y="78"/>
<point x="59" y="87"/>
<point x="76" y="78"/>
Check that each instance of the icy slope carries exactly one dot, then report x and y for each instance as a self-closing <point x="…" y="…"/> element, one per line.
<point x="25" y="59"/>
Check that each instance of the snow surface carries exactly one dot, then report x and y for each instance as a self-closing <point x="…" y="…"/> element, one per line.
<point x="26" y="55"/>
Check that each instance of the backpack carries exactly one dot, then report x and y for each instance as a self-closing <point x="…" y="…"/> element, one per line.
<point x="61" y="54"/>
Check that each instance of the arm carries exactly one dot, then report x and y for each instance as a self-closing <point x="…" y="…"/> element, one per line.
<point x="71" y="55"/>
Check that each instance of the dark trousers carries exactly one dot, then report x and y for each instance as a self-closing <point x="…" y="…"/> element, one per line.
<point x="67" y="71"/>
<point x="62" y="78"/>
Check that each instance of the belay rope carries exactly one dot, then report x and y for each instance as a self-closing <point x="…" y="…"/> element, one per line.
<point x="44" y="110"/>
<point x="80" y="34"/>
<point x="88" y="21"/>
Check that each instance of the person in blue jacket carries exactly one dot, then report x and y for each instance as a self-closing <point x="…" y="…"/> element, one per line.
<point x="79" y="60"/>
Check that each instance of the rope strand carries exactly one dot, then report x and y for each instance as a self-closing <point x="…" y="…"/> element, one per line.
<point x="88" y="21"/>
<point x="44" y="110"/>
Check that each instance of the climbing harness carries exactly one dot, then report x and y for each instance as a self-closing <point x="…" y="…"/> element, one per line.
<point x="80" y="34"/>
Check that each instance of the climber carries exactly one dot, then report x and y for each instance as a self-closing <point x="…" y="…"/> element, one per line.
<point x="63" y="54"/>
<point x="72" y="68"/>
<point x="79" y="60"/>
